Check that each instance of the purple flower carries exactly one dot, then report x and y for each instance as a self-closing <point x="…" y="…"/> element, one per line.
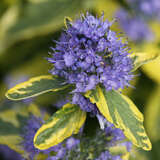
<point x="115" y="137"/>
<point x="62" y="152"/>
<point x="107" y="156"/>
<point x="148" y="8"/>
<point x="89" y="53"/>
<point x="63" y="100"/>
<point x="52" y="158"/>
<point x="72" y="142"/>
<point x="116" y="134"/>
<point x="29" y="130"/>
<point x="127" y="144"/>
<point x="135" y="27"/>
<point x="135" y="23"/>
<point x="9" y="154"/>
<point x="84" y="103"/>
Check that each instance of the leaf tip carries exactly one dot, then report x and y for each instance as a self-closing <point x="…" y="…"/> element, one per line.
<point x="67" y="21"/>
<point x="148" y="146"/>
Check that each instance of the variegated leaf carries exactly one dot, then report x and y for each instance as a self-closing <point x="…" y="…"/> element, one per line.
<point x="151" y="70"/>
<point x="60" y="126"/>
<point x="121" y="111"/>
<point x="140" y="58"/>
<point x="19" y="22"/>
<point x="35" y="86"/>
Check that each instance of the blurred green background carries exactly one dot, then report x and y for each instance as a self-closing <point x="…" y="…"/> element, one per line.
<point x="27" y="28"/>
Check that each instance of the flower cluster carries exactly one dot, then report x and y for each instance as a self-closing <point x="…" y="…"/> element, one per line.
<point x="64" y="152"/>
<point x="117" y="135"/>
<point x="8" y="154"/>
<point x="135" y="27"/>
<point x="135" y="22"/>
<point x="28" y="132"/>
<point x="149" y="8"/>
<point x="100" y="147"/>
<point x="107" y="138"/>
<point x="117" y="138"/>
<point x="89" y="52"/>
<point x="33" y="124"/>
<point x="84" y="103"/>
<point x="107" y="156"/>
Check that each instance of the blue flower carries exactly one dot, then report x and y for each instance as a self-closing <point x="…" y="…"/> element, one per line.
<point x="89" y="52"/>
<point x="62" y="100"/>
<point x="71" y="143"/>
<point x="116" y="139"/>
<point x="107" y="156"/>
<point x="9" y="154"/>
<point x="101" y="146"/>
<point x="29" y="130"/>
<point x="148" y="8"/>
<point x="108" y="137"/>
<point x="135" y="27"/>
<point x="135" y="23"/>
<point x="84" y="103"/>
<point x="116" y="134"/>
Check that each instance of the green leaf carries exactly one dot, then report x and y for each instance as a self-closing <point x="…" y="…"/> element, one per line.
<point x="140" y="58"/>
<point x="152" y="112"/>
<point x="35" y="18"/>
<point x="60" y="126"/>
<point x="35" y="86"/>
<point x="120" y="110"/>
